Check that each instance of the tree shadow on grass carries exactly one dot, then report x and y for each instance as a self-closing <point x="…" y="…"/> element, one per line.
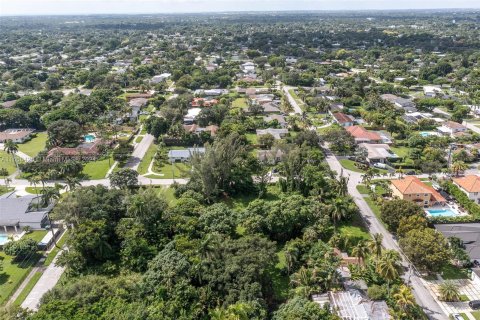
<point x="4" y="278"/>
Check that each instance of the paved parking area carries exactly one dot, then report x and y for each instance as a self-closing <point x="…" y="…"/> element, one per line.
<point x="465" y="287"/>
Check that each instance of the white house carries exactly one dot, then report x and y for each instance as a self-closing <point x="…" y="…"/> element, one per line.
<point x="184" y="155"/>
<point x="451" y="128"/>
<point x="470" y="185"/>
<point x="160" y="78"/>
<point x="16" y="135"/>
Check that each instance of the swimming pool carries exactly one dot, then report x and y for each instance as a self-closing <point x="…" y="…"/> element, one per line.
<point x="447" y="212"/>
<point x="426" y="134"/>
<point x="89" y="138"/>
<point x="3" y="239"/>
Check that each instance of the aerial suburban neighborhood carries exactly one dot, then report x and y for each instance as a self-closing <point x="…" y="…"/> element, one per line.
<point x="270" y="165"/>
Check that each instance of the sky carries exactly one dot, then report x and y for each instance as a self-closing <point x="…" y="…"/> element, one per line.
<point x="64" y="7"/>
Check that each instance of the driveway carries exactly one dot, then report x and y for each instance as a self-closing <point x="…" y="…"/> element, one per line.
<point x="422" y="294"/>
<point x="139" y="152"/>
<point x="292" y="101"/>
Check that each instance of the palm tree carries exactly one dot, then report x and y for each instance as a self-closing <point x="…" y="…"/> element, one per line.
<point x="304" y="281"/>
<point x="388" y="266"/>
<point x="11" y="148"/>
<point x="360" y="251"/>
<point x="34" y="180"/>
<point x="339" y="211"/>
<point x="449" y="291"/>
<point x="72" y="183"/>
<point x="49" y="194"/>
<point x="375" y="245"/>
<point x="404" y="297"/>
<point x="458" y="166"/>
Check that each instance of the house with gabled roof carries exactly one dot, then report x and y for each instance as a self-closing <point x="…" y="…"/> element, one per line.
<point x="413" y="189"/>
<point x="362" y="135"/>
<point x="343" y="119"/>
<point x="470" y="185"/>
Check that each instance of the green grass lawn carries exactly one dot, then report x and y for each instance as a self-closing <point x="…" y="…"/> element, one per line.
<point x="280" y="280"/>
<point x="475" y="314"/>
<point x="169" y="171"/>
<point x="240" y="103"/>
<point x="4" y="190"/>
<point x="450" y="272"/>
<point x="252" y="138"/>
<point x="241" y="202"/>
<point x="98" y="169"/>
<point x="350" y="165"/>
<point x="168" y="193"/>
<point x="401" y="151"/>
<point x="13" y="274"/>
<point x="23" y="295"/>
<point x="34" y="146"/>
<point x="363" y="189"/>
<point x="36" y="235"/>
<point x="34" y="190"/>
<point x="375" y="208"/>
<point x="138" y="139"/>
<point x="6" y="161"/>
<point x="143" y="166"/>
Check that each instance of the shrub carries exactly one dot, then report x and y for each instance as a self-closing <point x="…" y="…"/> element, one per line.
<point x="21" y="248"/>
<point x="376" y="292"/>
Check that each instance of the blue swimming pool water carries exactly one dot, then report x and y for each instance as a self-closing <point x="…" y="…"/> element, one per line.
<point x="425" y="134"/>
<point x="3" y="239"/>
<point x="442" y="212"/>
<point x="89" y="138"/>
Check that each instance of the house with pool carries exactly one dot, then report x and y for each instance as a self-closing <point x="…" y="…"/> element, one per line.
<point x="17" y="213"/>
<point x="412" y="189"/>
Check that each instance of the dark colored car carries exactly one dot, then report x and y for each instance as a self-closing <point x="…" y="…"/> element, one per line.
<point x="474" y="304"/>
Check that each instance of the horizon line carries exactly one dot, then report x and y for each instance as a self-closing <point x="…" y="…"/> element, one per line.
<point x="237" y="12"/>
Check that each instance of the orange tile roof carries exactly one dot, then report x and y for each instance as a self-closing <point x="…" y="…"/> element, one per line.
<point x="413" y="185"/>
<point x="359" y="132"/>
<point x="469" y="183"/>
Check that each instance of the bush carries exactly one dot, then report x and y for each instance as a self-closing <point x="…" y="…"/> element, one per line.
<point x="376" y="292"/>
<point x="21" y="248"/>
<point x="393" y="211"/>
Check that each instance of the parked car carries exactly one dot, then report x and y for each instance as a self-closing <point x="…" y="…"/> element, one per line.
<point x="457" y="316"/>
<point x="474" y="304"/>
<point x="380" y="165"/>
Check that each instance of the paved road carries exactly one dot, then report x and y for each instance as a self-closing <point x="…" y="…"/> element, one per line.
<point x="292" y="101"/>
<point x="422" y="294"/>
<point x="139" y="152"/>
<point x="47" y="281"/>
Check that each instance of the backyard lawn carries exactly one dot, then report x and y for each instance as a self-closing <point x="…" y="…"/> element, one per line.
<point x="402" y="152"/>
<point x="12" y="274"/>
<point x="252" y="138"/>
<point x="98" y="169"/>
<point x="169" y="171"/>
<point x="34" y="146"/>
<point x="34" y="190"/>
<point x="240" y="103"/>
<point x="36" y="235"/>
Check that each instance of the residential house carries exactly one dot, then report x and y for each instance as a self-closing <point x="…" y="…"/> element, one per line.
<point x="279" y="118"/>
<point x="16" y="135"/>
<point x="184" y="155"/>
<point x="468" y="233"/>
<point x="191" y="115"/>
<point x="84" y="152"/>
<point x="270" y="156"/>
<point x="378" y="153"/>
<point x="432" y="91"/>
<point x="353" y="305"/>
<point x="451" y="128"/>
<point x="362" y="135"/>
<point x="20" y="212"/>
<point x="203" y="102"/>
<point x="210" y="92"/>
<point x="136" y="105"/>
<point x="343" y="119"/>
<point x="413" y="189"/>
<point x="132" y="96"/>
<point x="400" y="102"/>
<point x="270" y="107"/>
<point x="193" y="128"/>
<point x="276" y="133"/>
<point x="160" y="78"/>
<point x="470" y="185"/>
